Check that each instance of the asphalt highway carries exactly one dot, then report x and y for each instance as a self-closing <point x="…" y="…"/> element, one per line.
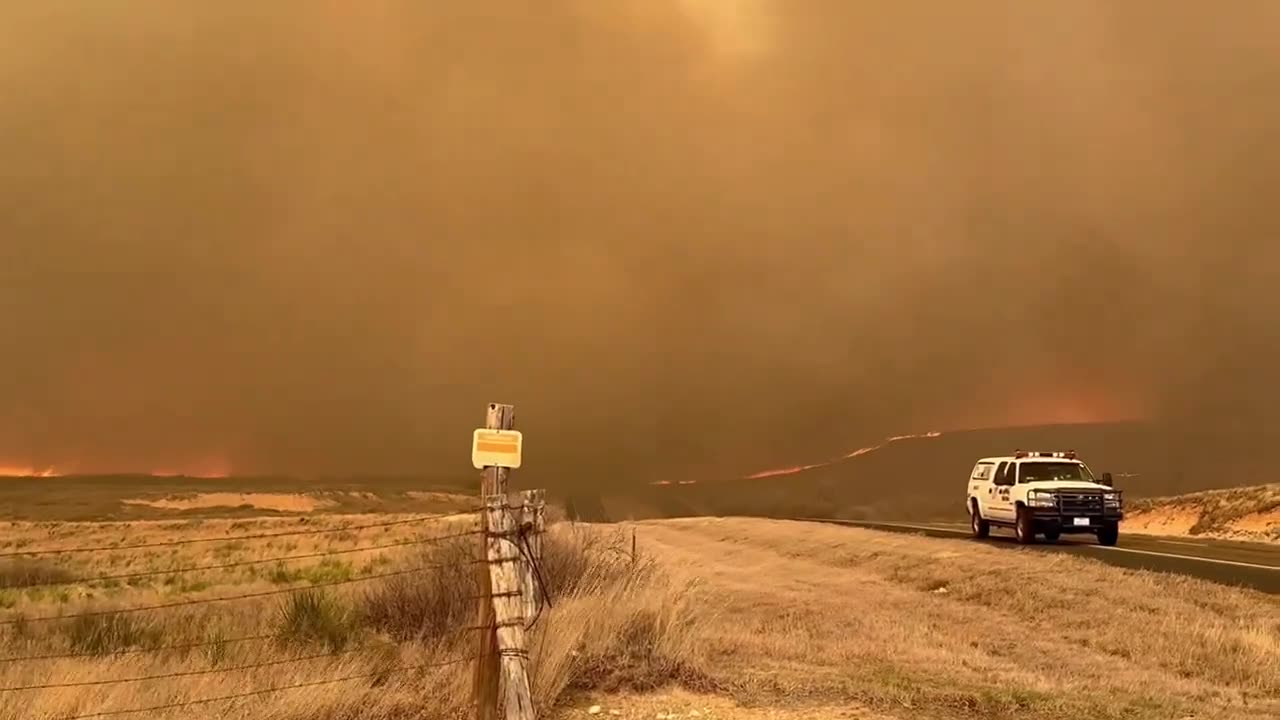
<point x="1254" y="565"/>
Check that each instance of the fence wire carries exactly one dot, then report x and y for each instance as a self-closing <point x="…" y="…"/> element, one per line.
<point x="234" y="538"/>
<point x="276" y="689"/>
<point x="247" y="667"/>
<point x="224" y="598"/>
<point x="246" y="563"/>
<point x="139" y="651"/>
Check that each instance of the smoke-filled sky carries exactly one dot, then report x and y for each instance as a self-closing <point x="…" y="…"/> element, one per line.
<point x="680" y="235"/>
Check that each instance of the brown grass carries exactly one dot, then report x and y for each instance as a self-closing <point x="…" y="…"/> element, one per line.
<point x="796" y="617"/>
<point x="26" y="572"/>
<point x="370" y="628"/>
<point x="1245" y="513"/>
<point x="284" y="502"/>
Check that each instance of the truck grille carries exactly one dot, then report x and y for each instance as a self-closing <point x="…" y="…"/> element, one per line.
<point x="1079" y="503"/>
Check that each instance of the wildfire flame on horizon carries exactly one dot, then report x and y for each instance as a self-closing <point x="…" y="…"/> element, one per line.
<point x="11" y="471"/>
<point x="213" y="471"/>
<point x="796" y="469"/>
<point x="856" y="453"/>
<point x="802" y="468"/>
<point x="1072" y="404"/>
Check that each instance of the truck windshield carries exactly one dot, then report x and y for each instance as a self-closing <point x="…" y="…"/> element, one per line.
<point x="1050" y="471"/>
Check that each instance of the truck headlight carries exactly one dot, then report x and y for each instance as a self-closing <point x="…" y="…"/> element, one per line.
<point x="1040" y="499"/>
<point x="1111" y="499"/>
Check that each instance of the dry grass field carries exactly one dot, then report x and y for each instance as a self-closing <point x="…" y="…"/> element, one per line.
<point x="725" y="618"/>
<point x="804" y="618"/>
<point x="119" y="498"/>
<point x="350" y="604"/>
<point x="1245" y="513"/>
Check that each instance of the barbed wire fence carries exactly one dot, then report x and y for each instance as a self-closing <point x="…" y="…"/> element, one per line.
<point x="510" y="600"/>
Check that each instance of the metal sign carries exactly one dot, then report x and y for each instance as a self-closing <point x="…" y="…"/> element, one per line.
<point x="496" y="448"/>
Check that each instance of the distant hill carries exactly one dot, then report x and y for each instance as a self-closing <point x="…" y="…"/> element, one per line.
<point x="923" y="478"/>
<point x="917" y="478"/>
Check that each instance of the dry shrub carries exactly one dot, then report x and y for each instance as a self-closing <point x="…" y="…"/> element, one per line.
<point x="585" y="559"/>
<point x="433" y="604"/>
<point x="107" y="634"/>
<point x="613" y="620"/>
<point x="430" y="605"/>
<point x="24" y="573"/>
<point x="616" y="623"/>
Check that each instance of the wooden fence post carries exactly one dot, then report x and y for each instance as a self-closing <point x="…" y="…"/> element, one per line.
<point x="535" y="541"/>
<point x="493" y="481"/>
<point x="528" y="573"/>
<point x="532" y="525"/>
<point x="508" y="605"/>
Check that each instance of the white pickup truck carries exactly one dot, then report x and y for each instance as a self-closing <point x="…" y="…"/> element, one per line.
<point x="1047" y="493"/>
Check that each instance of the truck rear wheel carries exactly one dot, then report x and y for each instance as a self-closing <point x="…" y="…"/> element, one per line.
<point x="1024" y="526"/>
<point x="1109" y="534"/>
<point x="981" y="528"/>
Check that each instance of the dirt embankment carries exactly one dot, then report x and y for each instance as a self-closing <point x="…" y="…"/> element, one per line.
<point x="1248" y="513"/>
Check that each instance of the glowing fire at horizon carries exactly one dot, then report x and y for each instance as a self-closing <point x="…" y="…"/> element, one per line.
<point x="796" y="469"/>
<point x="12" y="471"/>
<point x="855" y="453"/>
<point x="813" y="466"/>
<point x="208" y="471"/>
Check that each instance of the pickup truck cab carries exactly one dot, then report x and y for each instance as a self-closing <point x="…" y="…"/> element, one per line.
<point x="1048" y="493"/>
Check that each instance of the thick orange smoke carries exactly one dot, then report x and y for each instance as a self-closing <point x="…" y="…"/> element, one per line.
<point x="684" y="240"/>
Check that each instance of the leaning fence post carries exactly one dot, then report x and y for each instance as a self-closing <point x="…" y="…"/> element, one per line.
<point x="508" y="609"/>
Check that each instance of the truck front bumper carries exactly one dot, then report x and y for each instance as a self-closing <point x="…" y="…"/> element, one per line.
<point x="1075" y="522"/>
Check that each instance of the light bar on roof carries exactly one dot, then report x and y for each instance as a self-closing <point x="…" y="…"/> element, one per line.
<point x="1068" y="454"/>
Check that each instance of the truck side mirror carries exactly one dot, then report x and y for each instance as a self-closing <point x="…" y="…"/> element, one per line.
<point x="1106" y="479"/>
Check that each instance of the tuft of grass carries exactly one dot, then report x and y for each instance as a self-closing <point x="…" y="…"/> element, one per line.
<point x="582" y="559"/>
<point x="316" y="616"/>
<point x="326" y="571"/>
<point x="643" y="650"/>
<point x="216" y="652"/>
<point x="24" y="573"/>
<point x="431" y="605"/>
<point x="107" y="634"/>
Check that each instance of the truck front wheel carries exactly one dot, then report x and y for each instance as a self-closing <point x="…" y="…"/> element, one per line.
<point x="1024" y="527"/>
<point x="1109" y="534"/>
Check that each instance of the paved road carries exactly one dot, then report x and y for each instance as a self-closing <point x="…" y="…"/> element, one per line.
<point x="1254" y="565"/>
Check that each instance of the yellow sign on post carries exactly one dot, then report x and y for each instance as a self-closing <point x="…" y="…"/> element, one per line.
<point x="496" y="448"/>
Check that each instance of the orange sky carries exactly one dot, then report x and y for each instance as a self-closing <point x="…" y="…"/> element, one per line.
<point x="683" y="237"/>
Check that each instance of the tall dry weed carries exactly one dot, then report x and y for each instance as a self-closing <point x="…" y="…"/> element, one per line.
<point x="612" y="619"/>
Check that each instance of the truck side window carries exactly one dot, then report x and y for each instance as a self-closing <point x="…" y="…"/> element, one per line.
<point x="1014" y="471"/>
<point x="1000" y="473"/>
